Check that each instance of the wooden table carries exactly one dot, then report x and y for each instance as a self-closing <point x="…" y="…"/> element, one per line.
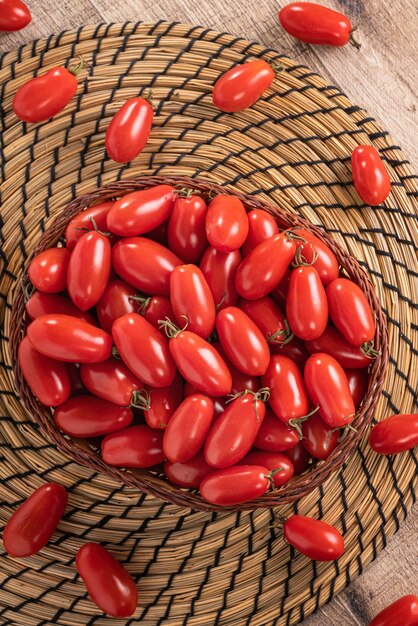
<point x="383" y="78"/>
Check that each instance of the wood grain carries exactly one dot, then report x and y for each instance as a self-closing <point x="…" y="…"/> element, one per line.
<point x="383" y="78"/>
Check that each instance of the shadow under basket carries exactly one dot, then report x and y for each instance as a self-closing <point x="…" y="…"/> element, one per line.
<point x="84" y="452"/>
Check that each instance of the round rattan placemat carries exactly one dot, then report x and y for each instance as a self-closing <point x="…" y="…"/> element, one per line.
<point x="293" y="148"/>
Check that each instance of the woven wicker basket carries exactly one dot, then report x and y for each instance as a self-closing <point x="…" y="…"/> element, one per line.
<point x="151" y="482"/>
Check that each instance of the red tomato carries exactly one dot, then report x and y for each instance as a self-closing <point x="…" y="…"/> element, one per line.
<point x="66" y="338"/>
<point x="264" y="267"/>
<point x="274" y="435"/>
<point x="189" y="474"/>
<point x="187" y="230"/>
<point x="395" y="434"/>
<point x="14" y="15"/>
<point x="88" y="416"/>
<point x="226" y="223"/>
<point x="279" y="293"/>
<point x="315" y="24"/>
<point x="160" y="234"/>
<point x="334" y="343"/>
<point x="139" y="212"/>
<point x="233" y="434"/>
<point x="136" y="446"/>
<point x="108" y="583"/>
<point x="219" y="269"/>
<point x="358" y="381"/>
<point x="261" y="226"/>
<point x="268" y="317"/>
<point x="240" y="381"/>
<point x="234" y="485"/>
<point x="317" y="540"/>
<point x="326" y="263"/>
<point x="46" y="303"/>
<point x="294" y="349"/>
<point x="370" y="177"/>
<point x="144" y="350"/>
<point x="31" y="526"/>
<point x="273" y="461"/>
<point x="145" y="264"/>
<point x="187" y="429"/>
<point x="156" y="309"/>
<point x="192" y="300"/>
<point x="299" y="458"/>
<point x="162" y="403"/>
<point x="77" y="387"/>
<point x="242" y="341"/>
<point x="48" y="270"/>
<point x="84" y="221"/>
<point x="42" y="97"/>
<point x="327" y="387"/>
<point x="288" y="397"/>
<point x="117" y="300"/>
<point x="306" y="305"/>
<point x="350" y="311"/>
<point x="319" y="439"/>
<point x="242" y="85"/>
<point x="128" y="132"/>
<point x="111" y="380"/>
<point x="402" y="612"/>
<point x="89" y="270"/>
<point x="48" y="379"/>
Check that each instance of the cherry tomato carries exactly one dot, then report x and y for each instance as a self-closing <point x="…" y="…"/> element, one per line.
<point x="326" y="263"/>
<point x="48" y="270"/>
<point x="187" y="230"/>
<point x="395" y="434"/>
<point x="226" y="223"/>
<point x="192" y="300"/>
<point x="233" y="485"/>
<point x="242" y="341"/>
<point x="233" y="434"/>
<point x="327" y="387"/>
<point x="299" y="458"/>
<point x="88" y="416"/>
<point x="294" y="349"/>
<point x="334" y="343"/>
<point x="315" y="24"/>
<point x="48" y="379"/>
<point x="288" y="397"/>
<point x="258" y="274"/>
<point x="306" y="305"/>
<point x="187" y="429"/>
<point x="144" y="350"/>
<point x="155" y="309"/>
<point x="268" y="317"/>
<point x="162" y="403"/>
<point x="358" y="381"/>
<point x="240" y="381"/>
<point x="219" y="269"/>
<point x="42" y="97"/>
<point x="279" y="293"/>
<point x="111" y="380"/>
<point x="31" y="526"/>
<point x="317" y="540"/>
<point x="274" y="435"/>
<point x="89" y="270"/>
<point x="402" y="612"/>
<point x="67" y="338"/>
<point x="84" y="221"/>
<point x="351" y="312"/>
<point x="108" y="583"/>
<point x="45" y="303"/>
<point x="319" y="439"/>
<point x="77" y="387"/>
<point x="370" y="177"/>
<point x="136" y="446"/>
<point x="14" y="15"/>
<point x="261" y="226"/>
<point x="145" y="264"/>
<point x="128" y="132"/>
<point x="242" y="85"/>
<point x="189" y="474"/>
<point x="141" y="211"/>
<point x="273" y="461"/>
<point x="117" y="300"/>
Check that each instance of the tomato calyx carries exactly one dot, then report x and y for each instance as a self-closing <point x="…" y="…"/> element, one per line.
<point x="270" y="476"/>
<point x="368" y="350"/>
<point x="27" y="288"/>
<point x="345" y="431"/>
<point x="262" y="394"/>
<point x="187" y="192"/>
<point x="78" y="67"/>
<point x="116" y="354"/>
<point x="141" y="399"/>
<point x="171" y="330"/>
<point x="276" y="66"/>
<point x="143" y="303"/>
<point x="95" y="228"/>
<point x="293" y="236"/>
<point x="352" y="40"/>
<point x="301" y="260"/>
<point x="297" y="421"/>
<point x="281" y="337"/>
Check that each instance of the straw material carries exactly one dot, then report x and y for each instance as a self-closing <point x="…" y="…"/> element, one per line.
<point x="292" y="150"/>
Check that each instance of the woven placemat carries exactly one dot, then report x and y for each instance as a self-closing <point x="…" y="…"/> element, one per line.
<point x="293" y="148"/>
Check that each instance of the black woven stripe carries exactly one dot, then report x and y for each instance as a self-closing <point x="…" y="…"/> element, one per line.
<point x="371" y="486"/>
<point x="391" y="404"/>
<point x="287" y="580"/>
<point x="343" y="502"/>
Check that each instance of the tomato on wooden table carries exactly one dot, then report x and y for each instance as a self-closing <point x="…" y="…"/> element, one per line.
<point x="266" y="314"/>
<point x="14" y="15"/>
<point x="288" y="397"/>
<point x="358" y="381"/>
<point x="67" y="338"/>
<point x="46" y="303"/>
<point x="240" y="381"/>
<point x="89" y="270"/>
<point x="402" y="612"/>
<point x="317" y="540"/>
<point x="48" y="270"/>
<point x="261" y="226"/>
<point x="273" y="461"/>
<point x="155" y="309"/>
<point x="316" y="24"/>
<point x="108" y="583"/>
<point x="306" y="304"/>
<point x="136" y="446"/>
<point x="395" y="434"/>
<point x="351" y="313"/>
<point x="192" y="300"/>
<point x="336" y="345"/>
<point x="187" y="228"/>
<point x="141" y="211"/>
<point x="275" y="436"/>
<point x="226" y="223"/>
<point x="162" y="403"/>
<point x="31" y="526"/>
<point x="370" y="177"/>
<point x="219" y="269"/>
<point x="111" y="380"/>
<point x="242" y="85"/>
<point x="234" y="485"/>
<point x="117" y="300"/>
<point x="312" y="250"/>
<point x="299" y="458"/>
<point x="89" y="416"/>
<point x="128" y="132"/>
<point x="188" y="474"/>
<point x="319" y="439"/>
<point x="187" y="429"/>
<point x="86" y="220"/>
